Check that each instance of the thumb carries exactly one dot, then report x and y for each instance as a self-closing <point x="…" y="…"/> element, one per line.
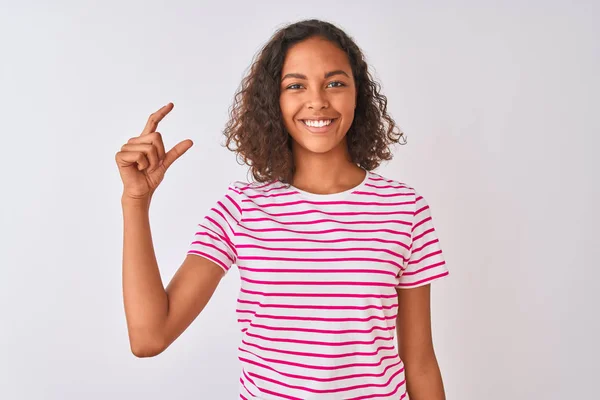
<point x="177" y="151"/>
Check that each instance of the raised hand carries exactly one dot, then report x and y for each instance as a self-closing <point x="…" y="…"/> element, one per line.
<point x="143" y="162"/>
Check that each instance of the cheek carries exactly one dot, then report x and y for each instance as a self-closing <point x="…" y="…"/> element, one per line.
<point x="288" y="112"/>
<point x="345" y="104"/>
<point x="347" y="109"/>
<point x="287" y="108"/>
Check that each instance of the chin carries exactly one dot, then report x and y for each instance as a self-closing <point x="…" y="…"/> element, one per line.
<point x="313" y="146"/>
<point x="318" y="149"/>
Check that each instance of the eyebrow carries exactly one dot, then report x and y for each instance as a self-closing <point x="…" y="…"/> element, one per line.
<point x="327" y="75"/>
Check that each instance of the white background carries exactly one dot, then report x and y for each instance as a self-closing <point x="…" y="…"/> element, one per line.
<point x="499" y="103"/>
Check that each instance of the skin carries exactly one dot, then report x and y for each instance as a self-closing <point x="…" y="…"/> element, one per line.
<point x="323" y="165"/>
<point x="415" y="344"/>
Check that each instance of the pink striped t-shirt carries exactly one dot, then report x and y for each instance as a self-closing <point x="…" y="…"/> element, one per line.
<point x="317" y="304"/>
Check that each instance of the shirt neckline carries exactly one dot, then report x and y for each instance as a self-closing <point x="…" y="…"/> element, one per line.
<point x="332" y="196"/>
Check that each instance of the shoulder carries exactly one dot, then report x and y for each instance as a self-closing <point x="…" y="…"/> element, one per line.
<point x="383" y="183"/>
<point x="249" y="190"/>
<point x="399" y="190"/>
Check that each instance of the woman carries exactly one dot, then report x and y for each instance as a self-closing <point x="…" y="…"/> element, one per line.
<point x="326" y="248"/>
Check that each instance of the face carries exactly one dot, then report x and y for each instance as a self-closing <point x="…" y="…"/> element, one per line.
<point x="318" y="95"/>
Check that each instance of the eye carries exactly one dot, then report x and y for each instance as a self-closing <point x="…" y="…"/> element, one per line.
<point x="292" y="86"/>
<point x="337" y="82"/>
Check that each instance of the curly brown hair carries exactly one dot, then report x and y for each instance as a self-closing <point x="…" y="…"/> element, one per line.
<point x="256" y="124"/>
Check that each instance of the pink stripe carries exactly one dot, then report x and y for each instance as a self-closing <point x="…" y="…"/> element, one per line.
<point x="317" y="307"/>
<point x="423" y="280"/>
<point x="264" y="185"/>
<point x="312" y="378"/>
<point x="274" y="188"/>
<point x="312" y="249"/>
<point x="218" y="238"/>
<point x="245" y="387"/>
<point x="319" y="221"/>
<point x="425" y="245"/>
<point x="432" y="254"/>
<point x="317" y="260"/>
<point x="223" y="239"/>
<point x="324" y="331"/>
<point x="290" y="318"/>
<point x="234" y="203"/>
<point x="317" y="283"/>
<point x="248" y="378"/>
<point x="425" y="220"/>
<point x="327" y="231"/>
<point x="428" y="231"/>
<point x="210" y="258"/>
<point x="342" y="389"/>
<point x="332" y="203"/>
<point x="376" y="338"/>
<point x="383" y="194"/>
<point x="320" y="355"/>
<point x="214" y="247"/>
<point x="387" y="186"/>
<point x="417" y="272"/>
<point x="224" y="220"/>
<point x="258" y="196"/>
<point x="317" y="295"/>
<point x="386" y="395"/>
<point x="319" y="367"/>
<point x="263" y="390"/>
<point x="263" y="239"/>
<point x="420" y="210"/>
<point x="328" y="212"/>
<point x="215" y="223"/>
<point x="311" y="271"/>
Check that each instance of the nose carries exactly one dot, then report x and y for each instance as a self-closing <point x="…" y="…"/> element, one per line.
<point x="317" y="99"/>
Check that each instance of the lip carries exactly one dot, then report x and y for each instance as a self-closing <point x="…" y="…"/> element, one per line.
<point x="323" y="129"/>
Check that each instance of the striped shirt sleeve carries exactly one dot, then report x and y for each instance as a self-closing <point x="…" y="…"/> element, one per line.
<point x="426" y="261"/>
<point x="214" y="238"/>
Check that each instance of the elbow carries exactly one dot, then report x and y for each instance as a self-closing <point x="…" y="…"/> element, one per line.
<point x="145" y="351"/>
<point x="145" y="348"/>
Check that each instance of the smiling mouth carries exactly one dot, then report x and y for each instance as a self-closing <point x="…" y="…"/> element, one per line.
<point x="318" y="124"/>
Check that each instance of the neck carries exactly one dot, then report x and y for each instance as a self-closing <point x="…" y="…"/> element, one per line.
<point x="326" y="173"/>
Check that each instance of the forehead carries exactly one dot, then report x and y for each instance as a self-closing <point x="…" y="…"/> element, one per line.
<point x="317" y="55"/>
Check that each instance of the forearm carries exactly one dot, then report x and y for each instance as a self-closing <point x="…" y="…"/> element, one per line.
<point x="144" y="296"/>
<point x="424" y="380"/>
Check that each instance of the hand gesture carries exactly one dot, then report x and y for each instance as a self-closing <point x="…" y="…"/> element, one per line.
<point x="142" y="160"/>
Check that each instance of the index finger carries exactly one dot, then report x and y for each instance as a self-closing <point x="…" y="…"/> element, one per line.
<point x="155" y="118"/>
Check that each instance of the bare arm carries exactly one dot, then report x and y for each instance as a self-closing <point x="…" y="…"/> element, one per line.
<point x="146" y="302"/>
<point x="415" y="344"/>
<point x="155" y="316"/>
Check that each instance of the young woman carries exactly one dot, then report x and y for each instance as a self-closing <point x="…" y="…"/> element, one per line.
<point x="335" y="260"/>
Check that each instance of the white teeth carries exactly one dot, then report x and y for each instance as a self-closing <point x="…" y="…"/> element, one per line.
<point x="318" y="124"/>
